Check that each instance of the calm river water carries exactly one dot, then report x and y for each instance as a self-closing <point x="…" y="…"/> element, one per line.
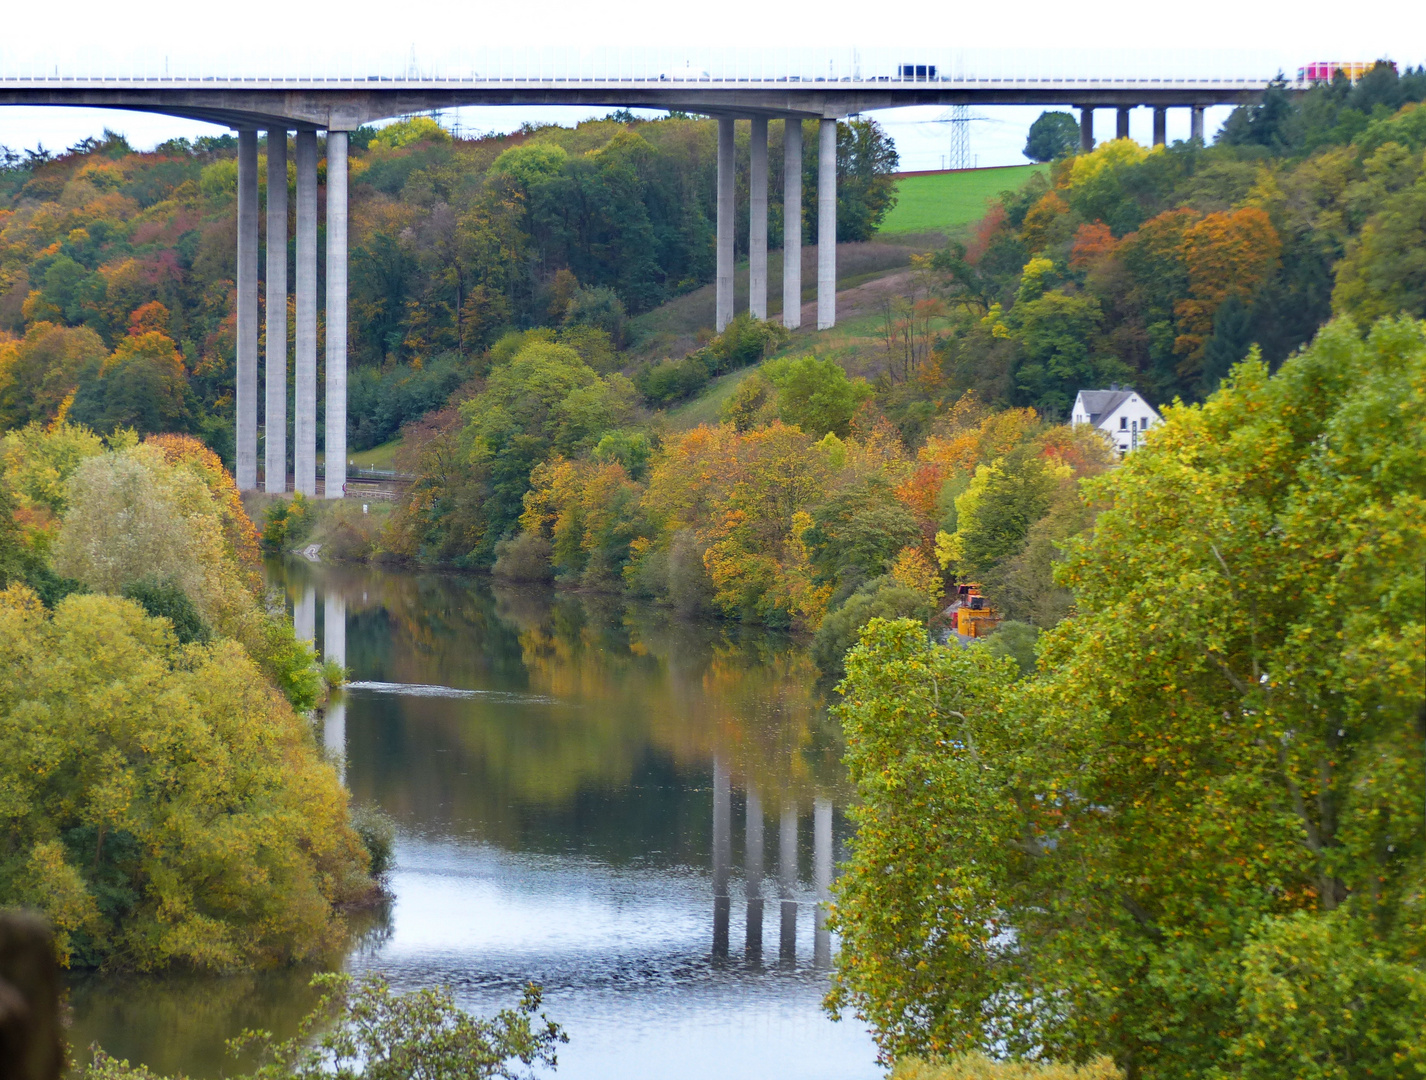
<point x="637" y="813"/>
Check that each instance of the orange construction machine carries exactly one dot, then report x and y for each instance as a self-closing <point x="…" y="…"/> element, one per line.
<point x="974" y="615"/>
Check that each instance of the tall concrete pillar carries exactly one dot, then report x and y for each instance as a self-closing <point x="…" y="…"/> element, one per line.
<point x="1161" y="125"/>
<point x="753" y="878"/>
<point x="246" y="389"/>
<point x="336" y="444"/>
<point x="757" y="220"/>
<point x="275" y="359"/>
<point x="722" y="858"/>
<point x="304" y="616"/>
<point x="1086" y="129"/>
<point x="304" y="408"/>
<point x="827" y="225"/>
<point x="727" y="222"/>
<point x="1195" y="123"/>
<point x="822" y="878"/>
<point x="787" y="884"/>
<point x="1121" y="124"/>
<point x="792" y="223"/>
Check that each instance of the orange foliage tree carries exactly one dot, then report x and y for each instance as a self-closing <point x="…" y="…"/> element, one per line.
<point x="1230" y="253"/>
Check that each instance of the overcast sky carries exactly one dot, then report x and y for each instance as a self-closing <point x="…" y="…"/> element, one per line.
<point x="1291" y="33"/>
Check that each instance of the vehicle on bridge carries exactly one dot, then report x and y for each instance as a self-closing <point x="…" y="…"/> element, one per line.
<point x="1326" y="70"/>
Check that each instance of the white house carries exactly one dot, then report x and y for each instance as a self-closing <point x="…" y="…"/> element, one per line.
<point x="1120" y="413"/>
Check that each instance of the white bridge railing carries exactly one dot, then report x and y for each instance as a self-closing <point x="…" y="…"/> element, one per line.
<point x="767" y="67"/>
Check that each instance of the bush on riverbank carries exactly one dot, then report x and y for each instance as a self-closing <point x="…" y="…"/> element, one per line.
<point x="162" y="803"/>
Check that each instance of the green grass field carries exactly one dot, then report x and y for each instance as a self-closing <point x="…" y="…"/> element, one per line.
<point x="378" y="457"/>
<point x="944" y="202"/>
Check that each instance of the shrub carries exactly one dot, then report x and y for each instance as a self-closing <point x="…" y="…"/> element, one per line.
<point x="1017" y="641"/>
<point x="377" y="831"/>
<point x="286" y="524"/>
<point x="525" y="557"/>
<point x="745" y="341"/>
<point x="600" y="308"/>
<point x="673" y="380"/>
<point x="881" y="598"/>
<point x="165" y="600"/>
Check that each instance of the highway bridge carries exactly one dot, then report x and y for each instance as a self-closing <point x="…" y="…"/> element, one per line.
<point x="282" y="93"/>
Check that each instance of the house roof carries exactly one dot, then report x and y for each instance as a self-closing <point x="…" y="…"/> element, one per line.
<point x="1100" y="403"/>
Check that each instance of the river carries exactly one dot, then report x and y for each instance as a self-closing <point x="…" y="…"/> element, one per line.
<point x="639" y="814"/>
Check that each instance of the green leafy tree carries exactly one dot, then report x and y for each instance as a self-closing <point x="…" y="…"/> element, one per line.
<point x="545" y="400"/>
<point x="815" y="394"/>
<point x="881" y="598"/>
<point x="866" y="191"/>
<point x="997" y="509"/>
<point x="1383" y="272"/>
<point x="1058" y="332"/>
<point x="1208" y="798"/>
<point x="1053" y="135"/>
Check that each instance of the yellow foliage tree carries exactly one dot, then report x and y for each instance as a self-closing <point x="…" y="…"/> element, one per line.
<point x="163" y="803"/>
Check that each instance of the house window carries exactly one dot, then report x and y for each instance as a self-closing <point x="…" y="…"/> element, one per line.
<point x="1123" y="423"/>
<point x="1144" y="424"/>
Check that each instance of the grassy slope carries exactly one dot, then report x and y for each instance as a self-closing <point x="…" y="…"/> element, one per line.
<point x="378" y="457"/>
<point x="944" y="202"/>
<point x="928" y="208"/>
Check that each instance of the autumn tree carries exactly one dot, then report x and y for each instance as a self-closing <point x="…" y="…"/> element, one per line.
<point x="1226" y="254"/>
<point x="1193" y="839"/>
<point x="163" y="804"/>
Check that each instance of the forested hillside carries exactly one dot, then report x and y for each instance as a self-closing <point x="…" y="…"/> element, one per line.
<point x="117" y="268"/>
<point x="1162" y="267"/>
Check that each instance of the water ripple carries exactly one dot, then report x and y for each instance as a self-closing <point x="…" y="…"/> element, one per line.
<point x="427" y="690"/>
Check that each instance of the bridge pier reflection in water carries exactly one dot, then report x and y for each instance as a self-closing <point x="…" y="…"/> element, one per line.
<point x="573" y="778"/>
<point x="787" y="876"/>
<point x="334" y="650"/>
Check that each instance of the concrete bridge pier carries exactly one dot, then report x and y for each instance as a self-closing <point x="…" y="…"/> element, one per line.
<point x="246" y="376"/>
<point x="727" y="209"/>
<point x="1086" y="128"/>
<point x="1121" y="125"/>
<point x="1161" y="125"/>
<point x="757" y="219"/>
<point x="827" y="225"/>
<point x="304" y="461"/>
<point x="1195" y="123"/>
<point x="275" y="358"/>
<point x="792" y="223"/>
<point x="336" y="413"/>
